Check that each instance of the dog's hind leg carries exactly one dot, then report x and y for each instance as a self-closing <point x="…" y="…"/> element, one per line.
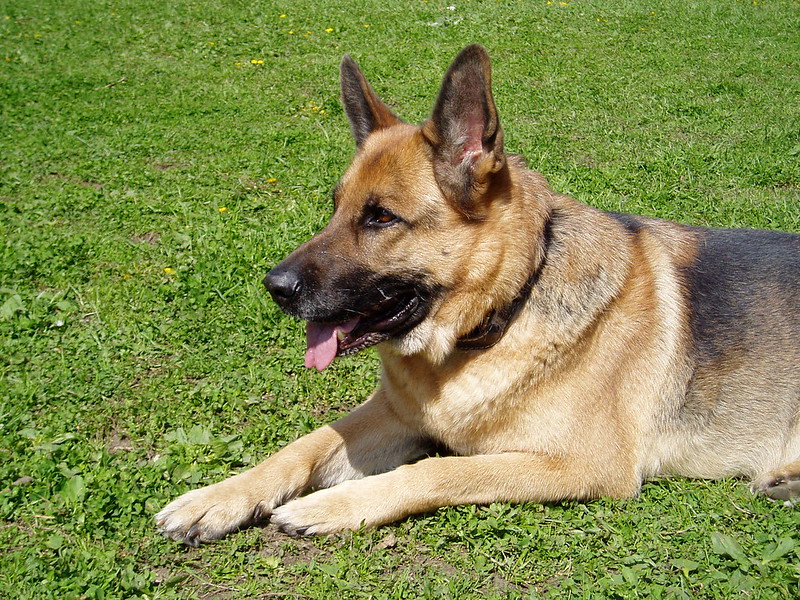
<point x="782" y="483"/>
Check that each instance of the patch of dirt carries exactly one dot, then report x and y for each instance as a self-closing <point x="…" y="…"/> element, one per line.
<point x="151" y="237"/>
<point x="76" y="180"/>
<point x="291" y="550"/>
<point x="166" y="166"/>
<point x="118" y="443"/>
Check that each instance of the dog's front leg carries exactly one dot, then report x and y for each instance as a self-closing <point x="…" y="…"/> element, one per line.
<point x="447" y="481"/>
<point x="368" y="440"/>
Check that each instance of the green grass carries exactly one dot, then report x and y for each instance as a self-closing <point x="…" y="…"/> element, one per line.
<point x="150" y="174"/>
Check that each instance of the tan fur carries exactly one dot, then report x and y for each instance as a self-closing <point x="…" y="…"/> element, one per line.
<point x="592" y="389"/>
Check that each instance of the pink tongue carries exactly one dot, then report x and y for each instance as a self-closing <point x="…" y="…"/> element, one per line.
<point x="323" y="343"/>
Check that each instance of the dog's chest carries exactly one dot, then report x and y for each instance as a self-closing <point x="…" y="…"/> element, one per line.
<point x="482" y="411"/>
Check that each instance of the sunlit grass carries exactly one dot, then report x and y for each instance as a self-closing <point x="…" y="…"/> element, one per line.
<point x="156" y="159"/>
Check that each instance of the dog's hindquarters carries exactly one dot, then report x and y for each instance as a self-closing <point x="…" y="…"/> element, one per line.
<point x="741" y="415"/>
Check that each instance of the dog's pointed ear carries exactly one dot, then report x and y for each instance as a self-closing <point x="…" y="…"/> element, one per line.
<point x="365" y="111"/>
<point x="464" y="129"/>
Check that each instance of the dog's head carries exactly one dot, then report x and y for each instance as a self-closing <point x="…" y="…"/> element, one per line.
<point x="418" y="249"/>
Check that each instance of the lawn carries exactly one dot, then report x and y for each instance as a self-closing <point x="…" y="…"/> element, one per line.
<point x="156" y="158"/>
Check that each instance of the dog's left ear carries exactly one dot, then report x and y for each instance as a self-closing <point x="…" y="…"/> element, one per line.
<point x="464" y="130"/>
<point x="365" y="111"/>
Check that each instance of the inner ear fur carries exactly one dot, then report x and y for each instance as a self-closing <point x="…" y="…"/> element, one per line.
<point x="365" y="111"/>
<point x="464" y="131"/>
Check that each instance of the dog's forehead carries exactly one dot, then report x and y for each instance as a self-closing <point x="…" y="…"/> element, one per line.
<point x="393" y="162"/>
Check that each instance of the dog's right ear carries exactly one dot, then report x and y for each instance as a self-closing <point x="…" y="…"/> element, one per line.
<point x="365" y="111"/>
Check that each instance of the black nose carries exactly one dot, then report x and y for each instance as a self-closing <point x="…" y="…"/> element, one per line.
<point x="283" y="283"/>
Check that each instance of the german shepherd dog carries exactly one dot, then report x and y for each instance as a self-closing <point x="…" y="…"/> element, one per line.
<point x="555" y="351"/>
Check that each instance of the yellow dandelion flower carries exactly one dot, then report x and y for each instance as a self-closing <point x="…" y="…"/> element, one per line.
<point x="291" y="32"/>
<point x="169" y="271"/>
<point x="283" y="16"/>
<point x="271" y="180"/>
<point x="329" y="30"/>
<point x="223" y="209"/>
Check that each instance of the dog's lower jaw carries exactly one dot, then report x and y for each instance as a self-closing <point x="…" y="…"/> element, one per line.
<point x="427" y="339"/>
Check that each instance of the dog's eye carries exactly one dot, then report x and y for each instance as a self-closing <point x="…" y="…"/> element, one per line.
<point x="380" y="217"/>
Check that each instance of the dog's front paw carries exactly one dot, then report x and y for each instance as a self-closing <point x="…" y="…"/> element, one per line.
<point x="324" y="512"/>
<point x="210" y="513"/>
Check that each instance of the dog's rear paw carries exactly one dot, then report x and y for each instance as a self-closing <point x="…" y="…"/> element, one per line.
<point x="782" y="485"/>
<point x="208" y="514"/>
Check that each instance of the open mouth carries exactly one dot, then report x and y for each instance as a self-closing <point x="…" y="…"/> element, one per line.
<point x="389" y="318"/>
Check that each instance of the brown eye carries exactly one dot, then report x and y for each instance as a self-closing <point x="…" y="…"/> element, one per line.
<point x="384" y="217"/>
<point x="380" y="217"/>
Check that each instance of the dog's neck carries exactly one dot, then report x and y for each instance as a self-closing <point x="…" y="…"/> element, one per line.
<point x="495" y="324"/>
